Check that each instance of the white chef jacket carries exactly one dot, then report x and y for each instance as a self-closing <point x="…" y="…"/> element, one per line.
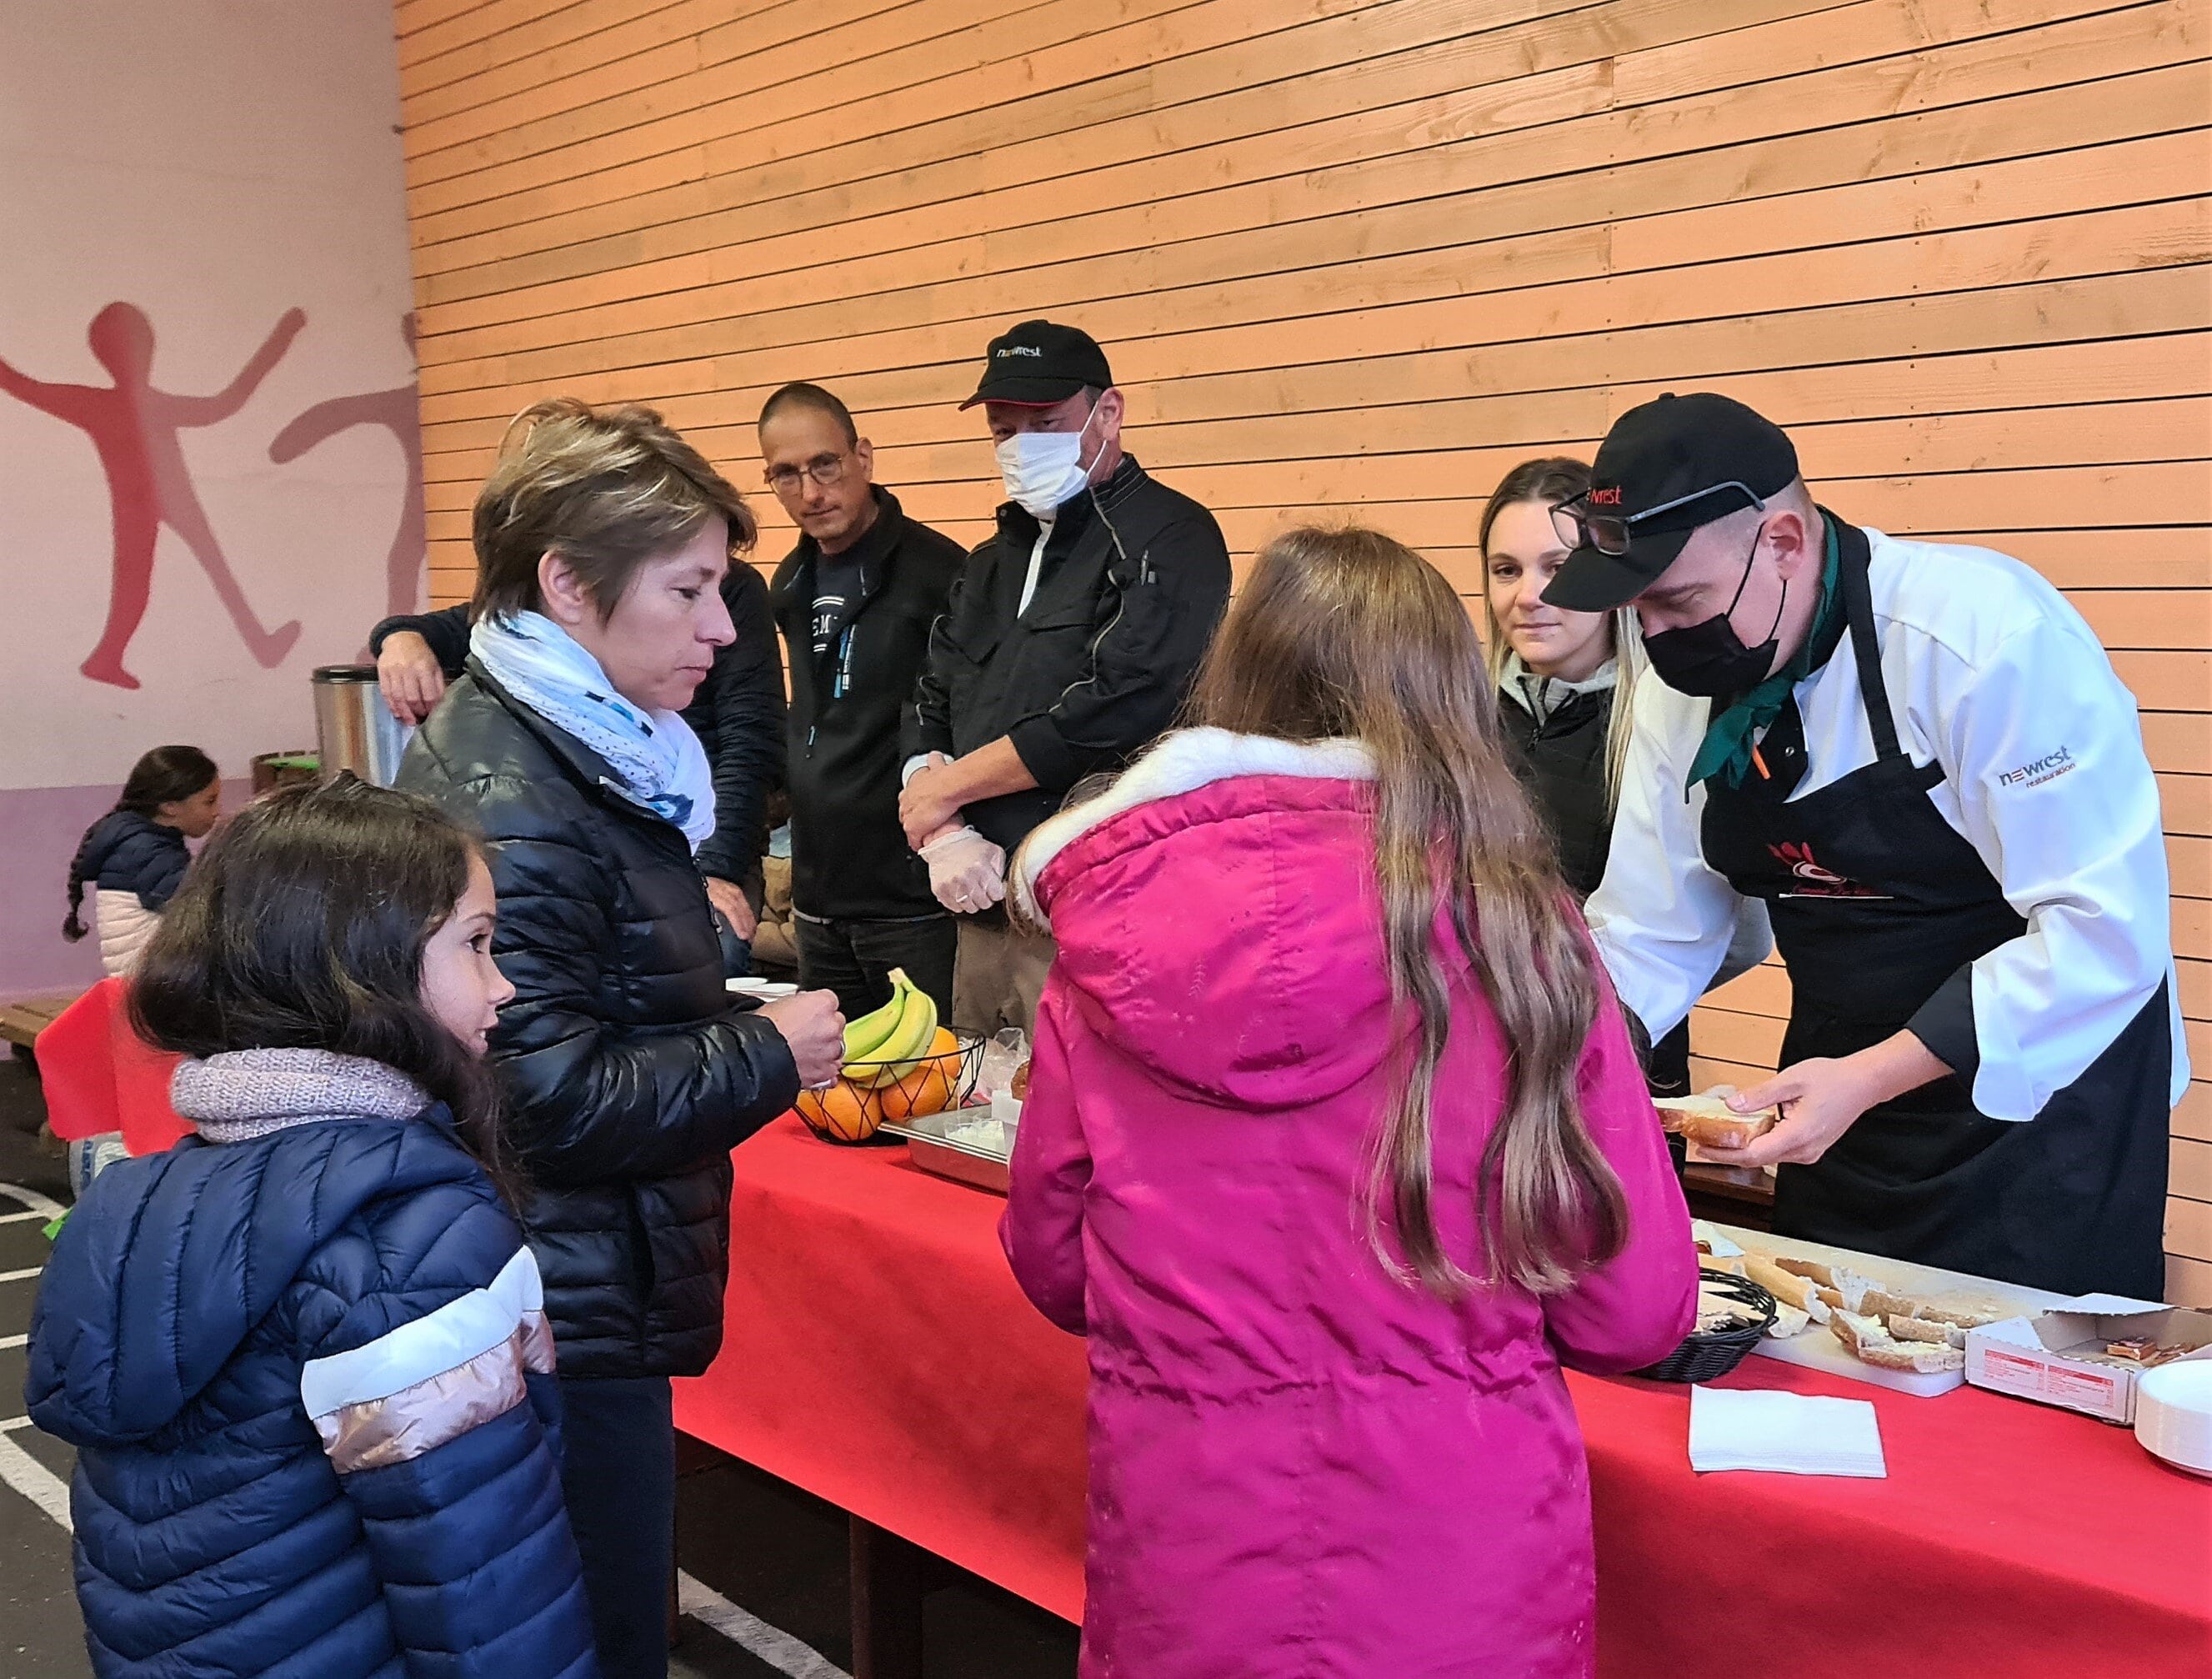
<point x="1992" y="674"/>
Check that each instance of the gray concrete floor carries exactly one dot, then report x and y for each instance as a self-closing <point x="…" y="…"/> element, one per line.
<point x="773" y="1551"/>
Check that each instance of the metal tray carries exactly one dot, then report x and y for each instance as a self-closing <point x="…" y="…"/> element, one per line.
<point x="963" y="1162"/>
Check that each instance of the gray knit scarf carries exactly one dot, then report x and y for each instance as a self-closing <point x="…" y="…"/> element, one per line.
<point x="245" y="1093"/>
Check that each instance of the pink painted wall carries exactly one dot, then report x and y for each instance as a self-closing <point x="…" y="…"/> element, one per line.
<point x="206" y="399"/>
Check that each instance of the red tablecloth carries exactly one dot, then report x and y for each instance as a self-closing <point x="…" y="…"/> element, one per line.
<point x="879" y="1356"/>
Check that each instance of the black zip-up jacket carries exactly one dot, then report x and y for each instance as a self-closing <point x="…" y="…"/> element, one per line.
<point x="738" y="714"/>
<point x="1561" y="760"/>
<point x="1130" y="594"/>
<point x="629" y="1077"/>
<point x="849" y="858"/>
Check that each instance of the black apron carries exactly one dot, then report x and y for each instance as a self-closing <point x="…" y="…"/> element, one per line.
<point x="1876" y="900"/>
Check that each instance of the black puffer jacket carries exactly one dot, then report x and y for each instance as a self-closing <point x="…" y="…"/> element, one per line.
<point x="629" y="1077"/>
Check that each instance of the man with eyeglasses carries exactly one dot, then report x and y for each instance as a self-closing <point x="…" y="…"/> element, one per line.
<point x="1922" y="761"/>
<point x="738" y="714"/>
<point x="856" y="599"/>
<point x="1068" y="644"/>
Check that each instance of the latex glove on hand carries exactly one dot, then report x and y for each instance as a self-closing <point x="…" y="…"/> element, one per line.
<point x="966" y="871"/>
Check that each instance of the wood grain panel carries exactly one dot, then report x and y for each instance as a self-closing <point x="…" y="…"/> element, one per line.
<point x="1354" y="258"/>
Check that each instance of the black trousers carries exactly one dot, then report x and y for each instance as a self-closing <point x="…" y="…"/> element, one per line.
<point x="855" y="959"/>
<point x="618" y="1474"/>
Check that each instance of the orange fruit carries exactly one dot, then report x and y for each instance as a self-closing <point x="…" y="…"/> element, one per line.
<point x="844" y="1112"/>
<point x="926" y="1090"/>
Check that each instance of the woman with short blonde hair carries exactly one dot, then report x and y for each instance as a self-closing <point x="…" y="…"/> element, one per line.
<point x="602" y="538"/>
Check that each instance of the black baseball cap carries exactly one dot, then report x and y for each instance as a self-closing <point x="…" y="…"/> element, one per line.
<point x="1694" y="456"/>
<point x="1037" y="363"/>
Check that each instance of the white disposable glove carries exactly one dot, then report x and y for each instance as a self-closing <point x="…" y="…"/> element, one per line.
<point x="966" y="871"/>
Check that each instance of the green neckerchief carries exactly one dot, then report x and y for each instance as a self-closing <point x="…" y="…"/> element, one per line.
<point x="1726" y="750"/>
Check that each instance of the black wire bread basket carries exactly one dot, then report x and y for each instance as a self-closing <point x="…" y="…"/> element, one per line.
<point x="1711" y="1352"/>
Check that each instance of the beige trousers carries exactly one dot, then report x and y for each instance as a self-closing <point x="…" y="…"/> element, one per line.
<point x="999" y="976"/>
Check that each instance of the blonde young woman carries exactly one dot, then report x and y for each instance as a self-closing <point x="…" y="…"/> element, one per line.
<point x="1336" y="1150"/>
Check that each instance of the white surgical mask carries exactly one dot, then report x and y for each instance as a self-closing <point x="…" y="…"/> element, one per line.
<point x="1042" y="469"/>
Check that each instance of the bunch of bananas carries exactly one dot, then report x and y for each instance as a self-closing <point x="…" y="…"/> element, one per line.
<point x="883" y="1048"/>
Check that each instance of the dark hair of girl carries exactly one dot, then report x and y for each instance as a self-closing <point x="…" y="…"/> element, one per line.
<point x="302" y="926"/>
<point x="166" y="775"/>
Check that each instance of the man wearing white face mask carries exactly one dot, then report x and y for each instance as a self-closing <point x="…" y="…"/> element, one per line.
<point x="1067" y="645"/>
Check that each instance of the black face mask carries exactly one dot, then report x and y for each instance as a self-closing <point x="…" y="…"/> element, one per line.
<point x="1710" y="658"/>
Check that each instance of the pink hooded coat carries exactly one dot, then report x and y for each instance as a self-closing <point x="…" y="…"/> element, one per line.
<point x="1298" y="1466"/>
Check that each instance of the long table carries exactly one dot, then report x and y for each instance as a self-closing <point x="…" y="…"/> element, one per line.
<point x="879" y="1356"/>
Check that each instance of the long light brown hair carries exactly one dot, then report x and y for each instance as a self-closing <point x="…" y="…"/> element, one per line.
<point x="1348" y="633"/>
<point x="1549" y="480"/>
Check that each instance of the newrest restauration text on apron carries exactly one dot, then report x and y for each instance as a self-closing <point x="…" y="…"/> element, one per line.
<point x="1876" y="901"/>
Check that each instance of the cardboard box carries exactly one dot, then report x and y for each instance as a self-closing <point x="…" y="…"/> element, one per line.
<point x="2059" y="1357"/>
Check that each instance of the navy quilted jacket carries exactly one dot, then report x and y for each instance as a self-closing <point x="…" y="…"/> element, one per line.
<point x="306" y="1376"/>
<point x="125" y="852"/>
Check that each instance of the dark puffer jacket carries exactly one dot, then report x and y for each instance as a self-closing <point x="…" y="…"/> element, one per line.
<point x="193" y="1300"/>
<point x="629" y="1076"/>
<point x="125" y="852"/>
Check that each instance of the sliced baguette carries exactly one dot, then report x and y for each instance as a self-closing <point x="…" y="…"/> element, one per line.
<point x="1916" y="1329"/>
<point x="1919" y="1356"/>
<point x="1966" y="1314"/>
<point x="1790" y="1290"/>
<point x="1858" y="1333"/>
<point x="1788" y="1322"/>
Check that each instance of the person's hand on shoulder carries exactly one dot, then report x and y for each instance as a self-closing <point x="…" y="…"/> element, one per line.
<point x="814" y="1029"/>
<point x="410" y="675"/>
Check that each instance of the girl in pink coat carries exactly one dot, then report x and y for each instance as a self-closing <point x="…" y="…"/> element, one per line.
<point x="1336" y="1150"/>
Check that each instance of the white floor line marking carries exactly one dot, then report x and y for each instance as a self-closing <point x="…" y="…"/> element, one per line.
<point x="23" y="1276"/>
<point x="21" y="1218"/>
<point x="35" y="1481"/>
<point x="8" y="1343"/>
<point x="31" y="1199"/>
<point x="781" y="1651"/>
<point x="8" y="1425"/>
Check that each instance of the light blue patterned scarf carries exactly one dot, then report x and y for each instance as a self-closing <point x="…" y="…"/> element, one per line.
<point x="658" y="759"/>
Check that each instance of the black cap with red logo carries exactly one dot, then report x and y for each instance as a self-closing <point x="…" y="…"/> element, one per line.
<point x="1665" y="468"/>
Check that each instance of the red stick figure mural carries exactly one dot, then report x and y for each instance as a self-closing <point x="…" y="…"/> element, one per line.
<point x="135" y="428"/>
<point x="396" y="410"/>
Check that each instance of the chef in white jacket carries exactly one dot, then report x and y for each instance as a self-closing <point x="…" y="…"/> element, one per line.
<point x="1922" y="761"/>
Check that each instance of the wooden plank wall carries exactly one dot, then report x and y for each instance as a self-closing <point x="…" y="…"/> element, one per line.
<point x="1356" y="257"/>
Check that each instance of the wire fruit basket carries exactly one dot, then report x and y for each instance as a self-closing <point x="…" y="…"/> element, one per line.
<point x="851" y="1107"/>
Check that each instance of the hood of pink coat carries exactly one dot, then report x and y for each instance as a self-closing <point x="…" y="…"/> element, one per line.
<point x="1216" y="913"/>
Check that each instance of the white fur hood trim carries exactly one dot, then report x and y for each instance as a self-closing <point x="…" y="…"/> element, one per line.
<point x="1182" y="762"/>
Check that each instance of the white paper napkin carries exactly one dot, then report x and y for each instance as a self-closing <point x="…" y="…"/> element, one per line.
<point x="1790" y="1434"/>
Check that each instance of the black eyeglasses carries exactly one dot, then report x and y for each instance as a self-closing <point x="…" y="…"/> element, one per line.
<point x="824" y="469"/>
<point x="1575" y="525"/>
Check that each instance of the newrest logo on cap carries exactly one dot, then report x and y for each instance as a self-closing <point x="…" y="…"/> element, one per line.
<point x="1605" y="498"/>
<point x="1020" y="349"/>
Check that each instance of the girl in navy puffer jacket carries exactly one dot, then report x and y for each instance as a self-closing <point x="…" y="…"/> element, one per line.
<point x="303" y="1356"/>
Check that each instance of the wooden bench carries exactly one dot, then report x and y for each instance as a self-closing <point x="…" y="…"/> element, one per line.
<point x="22" y="1022"/>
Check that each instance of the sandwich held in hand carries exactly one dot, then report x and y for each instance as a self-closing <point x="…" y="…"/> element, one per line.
<point x="1710" y="1123"/>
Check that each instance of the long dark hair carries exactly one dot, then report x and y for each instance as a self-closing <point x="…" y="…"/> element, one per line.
<point x="1349" y="634"/>
<point x="302" y="926"/>
<point x="166" y="775"/>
